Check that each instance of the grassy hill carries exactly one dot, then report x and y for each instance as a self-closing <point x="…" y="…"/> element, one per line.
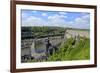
<point x="69" y="48"/>
<point x="79" y="51"/>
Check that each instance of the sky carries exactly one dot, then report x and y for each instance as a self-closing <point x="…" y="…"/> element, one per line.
<point x="79" y="20"/>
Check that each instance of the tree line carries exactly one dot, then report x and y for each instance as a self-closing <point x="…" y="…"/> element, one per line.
<point x="44" y="31"/>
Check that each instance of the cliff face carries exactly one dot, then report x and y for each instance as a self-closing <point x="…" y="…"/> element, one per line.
<point x="72" y="33"/>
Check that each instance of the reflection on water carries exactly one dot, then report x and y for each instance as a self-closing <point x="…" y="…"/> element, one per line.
<point x="40" y="46"/>
<point x="36" y="48"/>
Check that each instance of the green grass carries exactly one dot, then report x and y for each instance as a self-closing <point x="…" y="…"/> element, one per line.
<point x="67" y="51"/>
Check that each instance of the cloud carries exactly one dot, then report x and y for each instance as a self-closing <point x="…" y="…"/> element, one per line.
<point x="81" y="22"/>
<point x="58" y="19"/>
<point x="86" y="17"/>
<point x="24" y="15"/>
<point x="63" y="13"/>
<point x="44" y="14"/>
<point x="56" y="16"/>
<point x="63" y="16"/>
<point x="34" y="11"/>
<point x="57" y="22"/>
<point x="34" y="21"/>
<point x="54" y="20"/>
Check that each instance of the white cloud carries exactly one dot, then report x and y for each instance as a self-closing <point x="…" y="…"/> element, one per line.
<point x="83" y="19"/>
<point x="54" y="20"/>
<point x="33" y="21"/>
<point x="56" y="16"/>
<point x="44" y="14"/>
<point x="63" y="13"/>
<point x="34" y="11"/>
<point x="57" y="20"/>
<point x="63" y="16"/>
<point x="81" y="22"/>
<point x="24" y="15"/>
<point x="86" y="17"/>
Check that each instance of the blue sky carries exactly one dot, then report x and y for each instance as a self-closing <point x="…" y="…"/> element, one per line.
<point x="55" y="18"/>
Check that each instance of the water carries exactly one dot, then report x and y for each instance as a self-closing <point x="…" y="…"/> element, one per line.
<point x="39" y="50"/>
<point x="40" y="46"/>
